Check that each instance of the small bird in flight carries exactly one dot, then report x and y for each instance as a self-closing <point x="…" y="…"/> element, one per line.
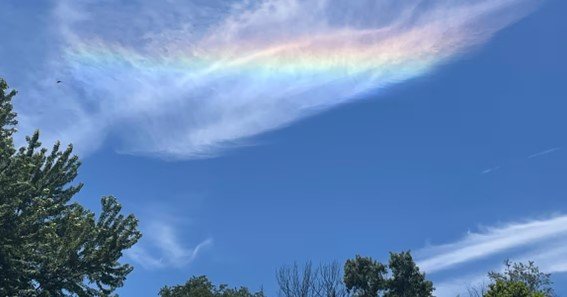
<point x="58" y="81"/>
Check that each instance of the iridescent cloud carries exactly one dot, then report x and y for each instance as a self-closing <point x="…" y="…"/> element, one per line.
<point x="260" y="66"/>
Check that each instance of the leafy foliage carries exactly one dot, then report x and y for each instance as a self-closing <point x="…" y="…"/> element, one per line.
<point x="366" y="277"/>
<point x="200" y="286"/>
<point x="406" y="279"/>
<point x="49" y="245"/>
<point x="527" y="274"/>
<point x="511" y="289"/>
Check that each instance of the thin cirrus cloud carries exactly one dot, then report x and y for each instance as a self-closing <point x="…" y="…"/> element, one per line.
<point x="189" y="79"/>
<point x="532" y="156"/>
<point x="545" y="152"/>
<point x="542" y="241"/>
<point x="162" y="248"/>
<point x="490" y="170"/>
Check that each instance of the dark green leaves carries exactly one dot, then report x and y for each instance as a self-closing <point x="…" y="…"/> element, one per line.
<point x="406" y="279"/>
<point x="366" y="277"/>
<point x="49" y="244"/>
<point x="200" y="286"/>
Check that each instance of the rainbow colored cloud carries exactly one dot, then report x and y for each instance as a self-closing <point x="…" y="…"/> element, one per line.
<point x="260" y="67"/>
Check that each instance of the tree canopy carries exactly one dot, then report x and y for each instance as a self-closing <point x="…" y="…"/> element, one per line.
<point x="511" y="289"/>
<point x="201" y="286"/>
<point x="406" y="279"/>
<point x="50" y="245"/>
<point x="520" y="280"/>
<point x="366" y="277"/>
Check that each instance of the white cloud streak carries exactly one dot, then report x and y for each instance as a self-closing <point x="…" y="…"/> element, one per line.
<point x="182" y="79"/>
<point x="493" y="240"/>
<point x="162" y="248"/>
<point x="543" y="153"/>
<point x="542" y="241"/>
<point x="491" y="170"/>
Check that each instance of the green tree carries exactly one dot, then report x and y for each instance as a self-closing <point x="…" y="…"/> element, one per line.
<point x="50" y="245"/>
<point x="526" y="273"/>
<point x="200" y="286"/>
<point x="364" y="277"/>
<point x="406" y="280"/>
<point x="518" y="279"/>
<point x="511" y="289"/>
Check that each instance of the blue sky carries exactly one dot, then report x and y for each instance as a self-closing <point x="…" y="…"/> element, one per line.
<point x="459" y="155"/>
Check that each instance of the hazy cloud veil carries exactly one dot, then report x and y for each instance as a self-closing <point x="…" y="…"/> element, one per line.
<point x="186" y="80"/>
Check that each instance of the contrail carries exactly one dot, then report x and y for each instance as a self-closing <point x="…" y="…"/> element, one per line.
<point x="546" y="152"/>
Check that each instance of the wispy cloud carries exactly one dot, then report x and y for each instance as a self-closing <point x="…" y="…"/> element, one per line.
<point x="490" y="170"/>
<point x="491" y="241"/>
<point x="186" y="79"/>
<point x="513" y="162"/>
<point x="542" y="241"/>
<point x="550" y="258"/>
<point x="545" y="152"/>
<point x="161" y="247"/>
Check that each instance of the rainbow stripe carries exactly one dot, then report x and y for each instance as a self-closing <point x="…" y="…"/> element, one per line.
<point x="368" y="55"/>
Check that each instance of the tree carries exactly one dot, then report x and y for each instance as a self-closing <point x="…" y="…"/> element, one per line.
<point x="329" y="281"/>
<point x="200" y="286"/>
<point x="511" y="289"/>
<point x="364" y="277"/>
<point x="50" y="245"/>
<point x="528" y="275"/>
<point x="195" y="287"/>
<point x="516" y="280"/>
<point x="406" y="279"/>
<point x="296" y="282"/>
<point x="323" y="281"/>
